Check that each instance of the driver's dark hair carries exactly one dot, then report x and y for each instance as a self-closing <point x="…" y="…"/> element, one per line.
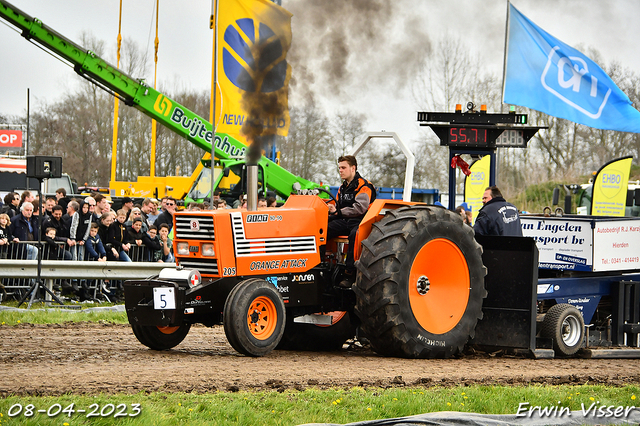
<point x="350" y="159"/>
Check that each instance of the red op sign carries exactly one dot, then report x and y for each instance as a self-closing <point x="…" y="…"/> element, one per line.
<point x="10" y="139"/>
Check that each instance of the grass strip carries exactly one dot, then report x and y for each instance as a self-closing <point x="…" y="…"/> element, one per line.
<point x="293" y="407"/>
<point x="41" y="314"/>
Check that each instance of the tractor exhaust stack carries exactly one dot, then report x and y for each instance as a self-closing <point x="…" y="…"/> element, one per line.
<point x="252" y="187"/>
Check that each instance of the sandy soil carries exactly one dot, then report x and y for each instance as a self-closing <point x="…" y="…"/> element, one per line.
<point x="91" y="358"/>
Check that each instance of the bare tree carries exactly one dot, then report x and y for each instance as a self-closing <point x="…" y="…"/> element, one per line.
<point x="80" y="129"/>
<point x="175" y="155"/>
<point x="383" y="165"/>
<point x="446" y="77"/>
<point x="308" y="150"/>
<point x="607" y="145"/>
<point x="347" y="127"/>
<point x="450" y="76"/>
<point x="77" y="127"/>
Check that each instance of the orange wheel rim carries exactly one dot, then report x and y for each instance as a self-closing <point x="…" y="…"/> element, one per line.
<point x="168" y="330"/>
<point x="262" y="317"/>
<point x="439" y="286"/>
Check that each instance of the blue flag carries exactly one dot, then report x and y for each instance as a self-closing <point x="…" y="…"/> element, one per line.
<point x="544" y="74"/>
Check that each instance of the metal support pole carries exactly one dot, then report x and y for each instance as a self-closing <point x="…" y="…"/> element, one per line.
<point x="252" y="187"/>
<point x="452" y="181"/>
<point x="452" y="172"/>
<point x="38" y="282"/>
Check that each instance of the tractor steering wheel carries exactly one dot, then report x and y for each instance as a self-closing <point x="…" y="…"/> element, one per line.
<point x="321" y="189"/>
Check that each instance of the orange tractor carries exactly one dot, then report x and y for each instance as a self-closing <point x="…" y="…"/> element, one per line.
<point x="270" y="277"/>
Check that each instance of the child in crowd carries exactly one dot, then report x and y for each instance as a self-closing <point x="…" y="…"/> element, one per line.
<point x="135" y="232"/>
<point x="51" y="249"/>
<point x="136" y="213"/>
<point x="5" y="239"/>
<point x="154" y="245"/>
<point x="118" y="237"/>
<point x="94" y="245"/>
<point x="139" y="237"/>
<point x="79" y="231"/>
<point x="219" y="204"/>
<point x="95" y="250"/>
<point x="167" y="244"/>
<point x="5" y="235"/>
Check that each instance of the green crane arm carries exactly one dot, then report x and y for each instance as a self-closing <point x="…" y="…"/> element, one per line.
<point x="146" y="99"/>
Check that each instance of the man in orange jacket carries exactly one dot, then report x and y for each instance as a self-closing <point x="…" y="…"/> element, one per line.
<point x="353" y="199"/>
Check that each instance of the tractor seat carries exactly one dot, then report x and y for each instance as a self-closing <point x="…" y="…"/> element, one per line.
<point x="341" y="244"/>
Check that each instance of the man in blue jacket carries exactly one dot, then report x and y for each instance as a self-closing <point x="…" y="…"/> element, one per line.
<point x="497" y="217"/>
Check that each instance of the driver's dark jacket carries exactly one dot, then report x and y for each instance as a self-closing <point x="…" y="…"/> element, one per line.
<point x="355" y="197"/>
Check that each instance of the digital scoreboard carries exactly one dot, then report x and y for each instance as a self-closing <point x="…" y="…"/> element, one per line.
<point x="468" y="136"/>
<point x="479" y="130"/>
<point x="477" y="133"/>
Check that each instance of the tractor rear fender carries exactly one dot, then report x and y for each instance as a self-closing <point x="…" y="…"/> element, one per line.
<point x="376" y="212"/>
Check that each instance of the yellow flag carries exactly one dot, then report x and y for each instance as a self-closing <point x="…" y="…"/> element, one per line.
<point x="254" y="37"/>
<point x="476" y="183"/>
<point x="610" y="188"/>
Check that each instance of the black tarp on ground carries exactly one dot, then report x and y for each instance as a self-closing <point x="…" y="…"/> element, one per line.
<point x="451" y="418"/>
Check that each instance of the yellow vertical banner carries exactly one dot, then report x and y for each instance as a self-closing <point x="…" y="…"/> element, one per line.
<point x="254" y="38"/>
<point x="610" y="188"/>
<point x="476" y="183"/>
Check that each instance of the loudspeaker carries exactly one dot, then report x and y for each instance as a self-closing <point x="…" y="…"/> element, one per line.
<point x="41" y="167"/>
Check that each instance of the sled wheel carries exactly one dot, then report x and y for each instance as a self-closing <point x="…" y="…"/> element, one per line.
<point x="564" y="324"/>
<point x="254" y="317"/>
<point x="312" y="337"/>
<point x="160" y="338"/>
<point x="420" y="283"/>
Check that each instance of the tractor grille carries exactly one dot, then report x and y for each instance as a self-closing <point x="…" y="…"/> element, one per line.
<point x="268" y="246"/>
<point x="194" y="227"/>
<point x="204" y="266"/>
<point x="276" y="246"/>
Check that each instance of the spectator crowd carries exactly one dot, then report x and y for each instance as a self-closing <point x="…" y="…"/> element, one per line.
<point x="89" y="229"/>
<point x="86" y="228"/>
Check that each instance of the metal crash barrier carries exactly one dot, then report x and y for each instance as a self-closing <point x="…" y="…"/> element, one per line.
<point x="17" y="276"/>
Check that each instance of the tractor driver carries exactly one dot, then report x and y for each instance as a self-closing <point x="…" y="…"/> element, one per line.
<point x="353" y="199"/>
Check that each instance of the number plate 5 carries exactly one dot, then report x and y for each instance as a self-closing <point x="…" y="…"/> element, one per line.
<point x="164" y="298"/>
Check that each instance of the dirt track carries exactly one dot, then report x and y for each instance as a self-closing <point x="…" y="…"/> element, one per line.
<point x="92" y="358"/>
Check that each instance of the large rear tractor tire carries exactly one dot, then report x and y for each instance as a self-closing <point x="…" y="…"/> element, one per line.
<point x="317" y="338"/>
<point x="420" y="283"/>
<point x="160" y="338"/>
<point x="564" y="324"/>
<point x="254" y="317"/>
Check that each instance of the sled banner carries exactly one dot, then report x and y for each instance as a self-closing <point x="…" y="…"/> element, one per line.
<point x="610" y="188"/>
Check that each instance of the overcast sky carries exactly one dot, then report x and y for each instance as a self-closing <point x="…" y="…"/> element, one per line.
<point x="373" y="75"/>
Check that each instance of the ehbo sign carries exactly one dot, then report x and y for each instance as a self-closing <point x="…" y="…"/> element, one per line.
<point x="10" y="139"/>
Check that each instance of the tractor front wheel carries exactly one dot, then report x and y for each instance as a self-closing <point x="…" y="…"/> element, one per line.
<point x="254" y="317"/>
<point x="160" y="338"/>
